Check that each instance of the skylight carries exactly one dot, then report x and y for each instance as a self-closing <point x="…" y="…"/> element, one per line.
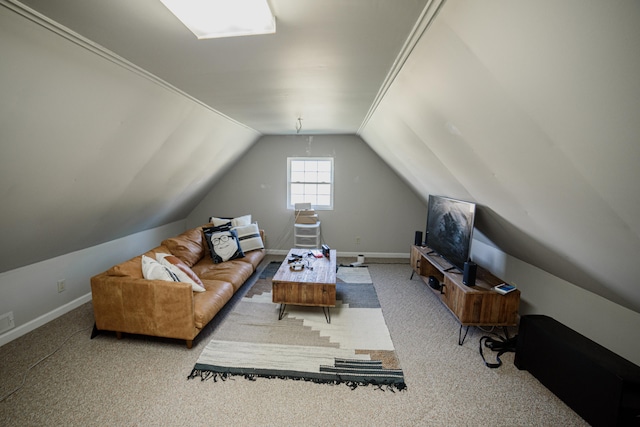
<point x="209" y="19"/>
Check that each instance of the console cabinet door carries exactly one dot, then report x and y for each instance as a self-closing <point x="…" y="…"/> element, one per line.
<point x="415" y="259"/>
<point x="452" y="296"/>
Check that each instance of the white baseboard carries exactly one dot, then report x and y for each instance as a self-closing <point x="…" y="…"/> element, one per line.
<point x="350" y="254"/>
<point x="45" y="318"/>
<point x="374" y="254"/>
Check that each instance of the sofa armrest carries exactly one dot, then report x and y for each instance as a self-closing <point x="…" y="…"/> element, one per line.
<point x="141" y="306"/>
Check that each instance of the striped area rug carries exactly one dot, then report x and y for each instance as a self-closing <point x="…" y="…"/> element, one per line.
<point x="354" y="349"/>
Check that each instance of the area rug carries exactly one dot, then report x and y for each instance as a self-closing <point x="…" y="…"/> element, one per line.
<point x="354" y="349"/>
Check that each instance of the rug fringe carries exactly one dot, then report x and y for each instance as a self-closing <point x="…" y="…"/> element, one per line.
<point x="206" y="375"/>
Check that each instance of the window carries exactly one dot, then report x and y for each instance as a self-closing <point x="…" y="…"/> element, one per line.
<point x="310" y="180"/>
<point x="211" y="19"/>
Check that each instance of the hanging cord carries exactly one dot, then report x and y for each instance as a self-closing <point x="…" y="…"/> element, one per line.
<point x="501" y="345"/>
<point x="24" y="377"/>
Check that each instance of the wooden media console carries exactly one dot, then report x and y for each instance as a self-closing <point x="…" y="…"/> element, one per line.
<point x="477" y="305"/>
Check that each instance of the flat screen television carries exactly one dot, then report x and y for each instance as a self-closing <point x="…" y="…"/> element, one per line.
<point x="450" y="229"/>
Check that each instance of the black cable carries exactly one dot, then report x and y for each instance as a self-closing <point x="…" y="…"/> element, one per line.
<point x="501" y="345"/>
<point x="24" y="377"/>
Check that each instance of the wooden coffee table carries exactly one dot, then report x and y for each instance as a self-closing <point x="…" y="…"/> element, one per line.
<point x="315" y="285"/>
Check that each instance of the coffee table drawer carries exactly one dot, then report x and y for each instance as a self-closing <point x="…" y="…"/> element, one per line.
<point x="311" y="294"/>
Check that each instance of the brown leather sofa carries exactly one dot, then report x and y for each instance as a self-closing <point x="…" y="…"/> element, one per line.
<point x="124" y="301"/>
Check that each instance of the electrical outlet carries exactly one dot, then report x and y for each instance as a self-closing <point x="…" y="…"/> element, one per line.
<point x="358" y="240"/>
<point x="6" y="322"/>
<point x="61" y="285"/>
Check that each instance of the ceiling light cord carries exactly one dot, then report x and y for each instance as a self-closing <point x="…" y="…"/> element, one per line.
<point x="299" y="125"/>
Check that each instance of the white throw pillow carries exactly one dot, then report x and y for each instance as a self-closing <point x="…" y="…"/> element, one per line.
<point x="182" y="276"/>
<point x="241" y="220"/>
<point x="153" y="270"/>
<point x="235" y="222"/>
<point x="249" y="237"/>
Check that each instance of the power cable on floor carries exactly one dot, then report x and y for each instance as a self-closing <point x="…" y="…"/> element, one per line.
<point x="501" y="345"/>
<point x="24" y="377"/>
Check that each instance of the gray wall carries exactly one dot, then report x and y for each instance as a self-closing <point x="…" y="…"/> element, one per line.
<point x="92" y="148"/>
<point x="99" y="161"/>
<point x="95" y="149"/>
<point x="370" y="202"/>
<point x="595" y="317"/>
<point x="532" y="111"/>
<point x="30" y="292"/>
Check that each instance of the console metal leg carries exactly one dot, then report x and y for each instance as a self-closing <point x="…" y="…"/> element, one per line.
<point x="281" y="311"/>
<point x="460" y="337"/>
<point x="327" y="314"/>
<point x="412" y="273"/>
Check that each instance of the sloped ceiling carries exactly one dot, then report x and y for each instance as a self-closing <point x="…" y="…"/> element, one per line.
<point x="94" y="149"/>
<point x="531" y="109"/>
<point x="325" y="63"/>
<point x="115" y="119"/>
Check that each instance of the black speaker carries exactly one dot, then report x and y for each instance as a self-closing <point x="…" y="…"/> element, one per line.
<point x="434" y="283"/>
<point x="418" y="239"/>
<point x="469" y="275"/>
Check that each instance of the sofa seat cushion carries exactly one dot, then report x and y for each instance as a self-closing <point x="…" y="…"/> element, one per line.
<point x="235" y="272"/>
<point x="208" y="304"/>
<point x="254" y="257"/>
<point x="187" y="246"/>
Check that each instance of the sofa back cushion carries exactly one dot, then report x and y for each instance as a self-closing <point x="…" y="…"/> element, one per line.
<point x="133" y="267"/>
<point x="187" y="246"/>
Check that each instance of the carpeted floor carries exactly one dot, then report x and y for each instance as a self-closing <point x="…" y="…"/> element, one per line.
<point x="142" y="381"/>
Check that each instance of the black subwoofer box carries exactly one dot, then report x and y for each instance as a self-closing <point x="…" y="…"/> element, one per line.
<point x="600" y="386"/>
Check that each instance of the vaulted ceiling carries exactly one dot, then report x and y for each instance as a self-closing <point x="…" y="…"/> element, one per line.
<point x="531" y="109"/>
<point x="324" y="64"/>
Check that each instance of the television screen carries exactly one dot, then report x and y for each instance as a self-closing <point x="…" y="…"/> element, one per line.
<point x="450" y="228"/>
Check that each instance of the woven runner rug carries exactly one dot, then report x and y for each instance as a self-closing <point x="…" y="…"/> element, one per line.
<point x="354" y="349"/>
